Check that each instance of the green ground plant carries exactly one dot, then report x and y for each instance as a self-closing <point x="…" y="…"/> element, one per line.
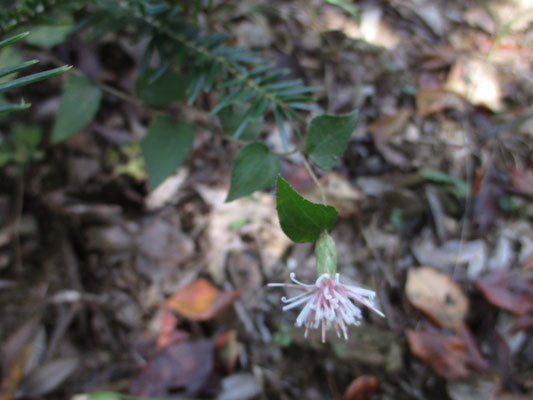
<point x="181" y="61"/>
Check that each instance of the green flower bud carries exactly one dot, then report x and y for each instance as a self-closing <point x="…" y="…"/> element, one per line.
<point x="326" y="255"/>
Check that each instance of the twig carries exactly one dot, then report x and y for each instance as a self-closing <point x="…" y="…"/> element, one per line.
<point x="17" y="215"/>
<point x="468" y="203"/>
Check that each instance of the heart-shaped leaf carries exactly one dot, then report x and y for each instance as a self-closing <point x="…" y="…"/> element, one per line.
<point x="77" y="107"/>
<point x="254" y="168"/>
<point x="327" y="138"/>
<point x="166" y="145"/>
<point x="301" y="220"/>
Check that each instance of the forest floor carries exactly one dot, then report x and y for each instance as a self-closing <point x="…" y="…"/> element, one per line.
<point x="106" y="286"/>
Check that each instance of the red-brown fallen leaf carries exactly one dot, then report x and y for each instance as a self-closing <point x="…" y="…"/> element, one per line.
<point x="511" y="291"/>
<point x="445" y="354"/>
<point x="475" y="358"/>
<point x="522" y="180"/>
<point x="486" y="194"/>
<point x="168" y="333"/>
<point x="361" y="388"/>
<point x="200" y="300"/>
<point x="437" y="295"/>
<point x="451" y="356"/>
<point x="181" y="368"/>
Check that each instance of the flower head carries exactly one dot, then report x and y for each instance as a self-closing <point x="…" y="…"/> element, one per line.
<point x="328" y="302"/>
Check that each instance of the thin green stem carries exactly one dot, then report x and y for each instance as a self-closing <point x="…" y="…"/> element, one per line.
<point x="286" y="153"/>
<point x="315" y="179"/>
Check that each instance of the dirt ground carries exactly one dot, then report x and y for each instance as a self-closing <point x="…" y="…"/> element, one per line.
<point x="108" y="286"/>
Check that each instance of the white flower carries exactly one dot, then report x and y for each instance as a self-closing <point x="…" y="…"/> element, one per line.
<point x="328" y="302"/>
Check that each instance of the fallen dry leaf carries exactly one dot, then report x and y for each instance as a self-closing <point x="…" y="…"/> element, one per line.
<point x="340" y="193"/>
<point x="513" y="396"/>
<point x="473" y="388"/>
<point x="261" y="224"/>
<point x="433" y="100"/>
<point x="475" y="358"/>
<point x="384" y="131"/>
<point x="439" y="57"/>
<point x="361" y="388"/>
<point x="240" y="386"/>
<point x="437" y="295"/>
<point x="511" y="291"/>
<point x="11" y="380"/>
<point x="16" y="344"/>
<point x="486" y="194"/>
<point x="476" y="81"/>
<point x="181" y="368"/>
<point x="47" y="377"/>
<point x="445" y="354"/>
<point x="228" y="349"/>
<point x="15" y="353"/>
<point x="390" y="125"/>
<point x="200" y="300"/>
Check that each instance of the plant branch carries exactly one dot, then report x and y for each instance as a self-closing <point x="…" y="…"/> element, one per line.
<point x="207" y="53"/>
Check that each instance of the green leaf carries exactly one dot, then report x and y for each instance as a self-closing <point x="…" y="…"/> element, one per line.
<point x="301" y="220"/>
<point x="211" y="76"/>
<point x="237" y="223"/>
<point x="106" y="396"/>
<point x="231" y="117"/>
<point x="346" y="6"/>
<point x="12" y="39"/>
<point x="119" y="396"/>
<point x="167" y="88"/>
<point x="239" y="95"/>
<point x="26" y="80"/>
<point x="256" y="109"/>
<point x="9" y="57"/>
<point x="78" y="105"/>
<point x="195" y="86"/>
<point x="166" y="145"/>
<point x="461" y="188"/>
<point x="15" y="68"/>
<point x="303" y="106"/>
<point x="327" y="138"/>
<point x="28" y="137"/>
<point x="7" y="108"/>
<point x="254" y="168"/>
<point x="48" y="36"/>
